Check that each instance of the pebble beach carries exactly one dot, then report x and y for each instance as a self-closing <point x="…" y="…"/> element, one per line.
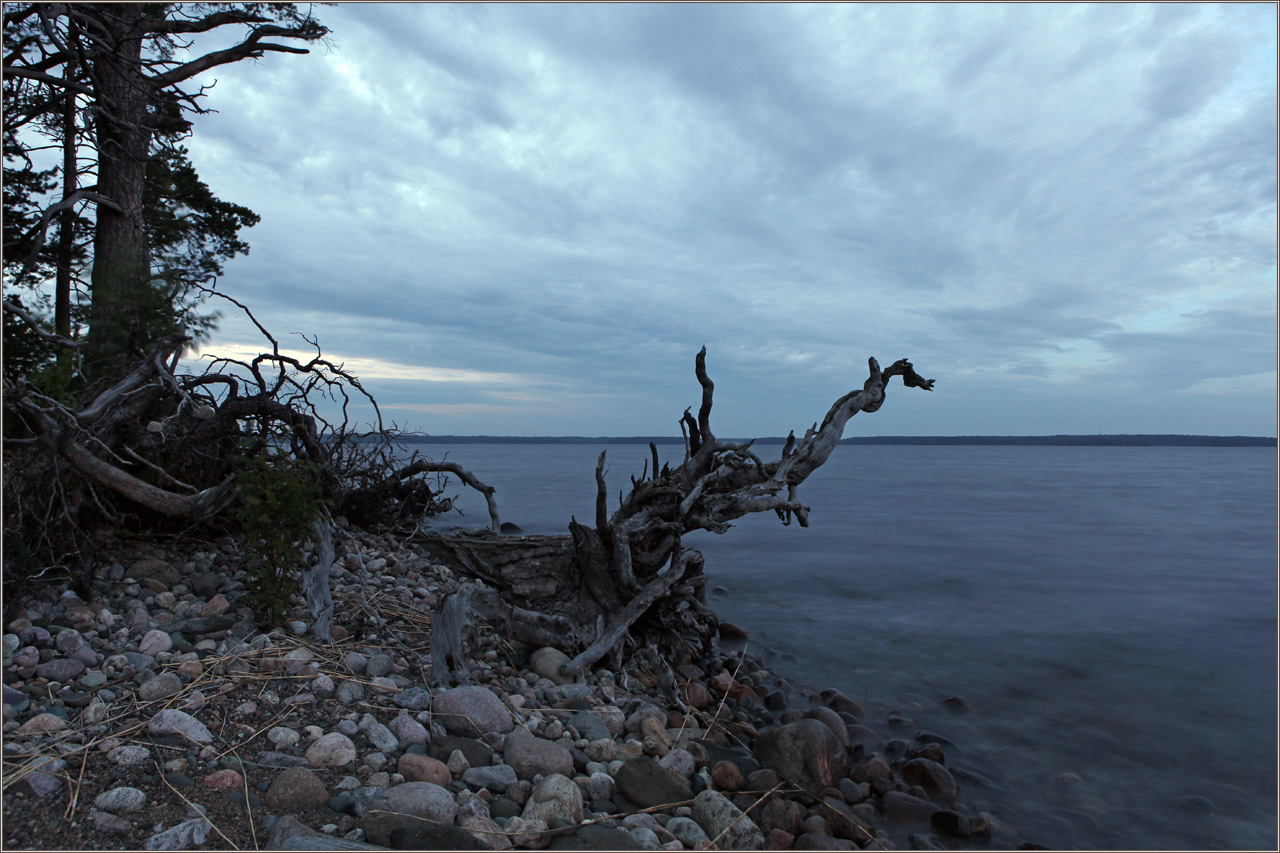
<point x="159" y="716"/>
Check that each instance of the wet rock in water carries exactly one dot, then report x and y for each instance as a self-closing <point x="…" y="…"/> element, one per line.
<point x="875" y="767"/>
<point x="411" y="804"/>
<point x="528" y="756"/>
<point x="930" y="775"/>
<point x="952" y="823"/>
<point x="931" y="751"/>
<point x="296" y="789"/>
<point x="925" y="736"/>
<point x="838" y="702"/>
<point x="719" y="818"/>
<point x="426" y="837"/>
<point x="957" y="705"/>
<point x="832" y="720"/>
<point x="333" y="750"/>
<point x="904" y="808"/>
<point x="646" y="783"/>
<point x="806" y="752"/>
<point x="510" y="528"/>
<point x="471" y="711"/>
<point x="555" y="797"/>
<point x="730" y="631"/>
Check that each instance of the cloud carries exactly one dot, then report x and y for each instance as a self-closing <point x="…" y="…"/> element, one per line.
<point x="582" y="197"/>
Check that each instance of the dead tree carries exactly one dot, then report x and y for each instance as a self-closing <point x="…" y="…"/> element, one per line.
<point x="164" y="444"/>
<point x="626" y="582"/>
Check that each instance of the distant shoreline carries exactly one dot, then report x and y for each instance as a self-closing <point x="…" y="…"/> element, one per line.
<point x="943" y="440"/>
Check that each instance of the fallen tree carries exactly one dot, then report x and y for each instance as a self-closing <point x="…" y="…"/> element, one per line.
<point x="626" y="584"/>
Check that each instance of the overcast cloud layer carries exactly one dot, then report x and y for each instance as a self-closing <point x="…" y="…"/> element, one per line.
<point x="526" y="220"/>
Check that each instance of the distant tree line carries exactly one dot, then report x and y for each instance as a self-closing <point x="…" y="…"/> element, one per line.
<point x="992" y="440"/>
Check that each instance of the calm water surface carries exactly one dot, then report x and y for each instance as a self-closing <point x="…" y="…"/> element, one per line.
<point x="1109" y="613"/>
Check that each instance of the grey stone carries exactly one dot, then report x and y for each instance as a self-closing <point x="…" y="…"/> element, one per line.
<point x="471" y="711"/>
<point x="410" y="804"/>
<point x="528" y="756"/>
<point x="495" y="777"/>
<point x="67" y="641"/>
<point x="428" y="837"/>
<point x="555" y="797"/>
<point x="122" y="800"/>
<point x="129" y="755"/>
<point x="381" y="737"/>
<point x="588" y="725"/>
<point x="173" y="722"/>
<point x="110" y="823"/>
<point x="408" y="730"/>
<point x="720" y="818"/>
<point x="188" y="834"/>
<point x="349" y="692"/>
<point x="378" y="666"/>
<point x="547" y="662"/>
<point x="332" y="750"/>
<point x="414" y="699"/>
<point x="686" y="831"/>
<point x="60" y="669"/>
<point x="296" y="789"/>
<point x="164" y="684"/>
<point x="647" y="784"/>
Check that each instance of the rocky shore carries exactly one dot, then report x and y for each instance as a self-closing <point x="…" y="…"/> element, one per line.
<point x="158" y="716"/>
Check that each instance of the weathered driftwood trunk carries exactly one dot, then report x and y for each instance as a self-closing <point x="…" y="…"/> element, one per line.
<point x="627" y="582"/>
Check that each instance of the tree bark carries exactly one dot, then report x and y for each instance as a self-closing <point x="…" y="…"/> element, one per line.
<point x="121" y="274"/>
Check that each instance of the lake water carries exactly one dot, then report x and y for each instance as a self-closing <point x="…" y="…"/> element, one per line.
<point x="1109" y="613"/>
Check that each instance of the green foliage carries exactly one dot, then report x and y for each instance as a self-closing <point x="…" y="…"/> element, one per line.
<point x="279" y="500"/>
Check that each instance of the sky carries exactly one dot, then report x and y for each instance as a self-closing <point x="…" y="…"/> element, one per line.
<point x="528" y="219"/>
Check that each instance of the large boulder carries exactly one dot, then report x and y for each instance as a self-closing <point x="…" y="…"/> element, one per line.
<point x="471" y="711"/>
<point x="410" y="804"/>
<point x="807" y="752"/>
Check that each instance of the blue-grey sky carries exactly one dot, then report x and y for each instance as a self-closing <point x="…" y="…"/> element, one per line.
<point x="527" y="219"/>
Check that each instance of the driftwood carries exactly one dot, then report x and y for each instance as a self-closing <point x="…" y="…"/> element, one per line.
<point x="627" y="583"/>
